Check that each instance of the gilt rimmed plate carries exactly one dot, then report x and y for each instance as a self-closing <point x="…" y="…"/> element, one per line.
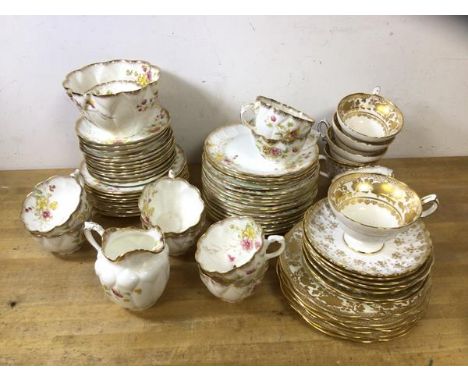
<point x="97" y="135"/>
<point x="401" y="255"/>
<point x="233" y="148"/>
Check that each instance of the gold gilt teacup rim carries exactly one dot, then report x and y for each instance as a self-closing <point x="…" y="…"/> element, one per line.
<point x="171" y="179"/>
<point x="380" y="98"/>
<point x="279" y="107"/>
<point x="66" y="81"/>
<point x="390" y="179"/>
<point x="223" y="221"/>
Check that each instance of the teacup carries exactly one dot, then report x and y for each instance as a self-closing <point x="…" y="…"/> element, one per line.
<point x="348" y="155"/>
<point x="355" y="144"/>
<point x="369" y="117"/>
<point x="175" y="206"/>
<point x="274" y="120"/>
<point x="232" y="257"/>
<point x="373" y="208"/>
<point x="54" y="213"/>
<point x="132" y="264"/>
<point x="278" y="150"/>
<point x="120" y="96"/>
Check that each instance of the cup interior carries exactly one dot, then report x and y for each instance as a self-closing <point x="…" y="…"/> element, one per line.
<point x="269" y="103"/>
<point x="114" y="87"/>
<point x="172" y="204"/>
<point x="374" y="200"/>
<point x="229" y="244"/>
<point x="119" y="242"/>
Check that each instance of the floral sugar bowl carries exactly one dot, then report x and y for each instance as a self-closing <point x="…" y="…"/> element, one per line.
<point x="54" y="213"/>
<point x="232" y="257"/>
<point x="175" y="206"/>
<point x="132" y="264"/>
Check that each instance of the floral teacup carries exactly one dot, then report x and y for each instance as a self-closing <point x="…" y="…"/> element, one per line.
<point x="373" y="208"/>
<point x="132" y="264"/>
<point x="278" y="150"/>
<point x="274" y="120"/>
<point x="232" y="256"/>
<point x="175" y="206"/>
<point x="54" y="213"/>
<point x="120" y="96"/>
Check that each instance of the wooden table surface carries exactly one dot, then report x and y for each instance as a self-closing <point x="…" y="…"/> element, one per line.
<point x="53" y="311"/>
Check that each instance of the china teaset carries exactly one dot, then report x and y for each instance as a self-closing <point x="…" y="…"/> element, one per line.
<point x="355" y="265"/>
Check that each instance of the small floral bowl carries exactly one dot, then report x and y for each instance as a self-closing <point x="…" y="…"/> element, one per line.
<point x="119" y="96"/>
<point x="278" y="151"/>
<point x="232" y="255"/>
<point x="55" y="211"/>
<point x="175" y="206"/>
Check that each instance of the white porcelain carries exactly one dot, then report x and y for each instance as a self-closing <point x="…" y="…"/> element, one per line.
<point x="350" y="155"/>
<point x="176" y="207"/>
<point x="132" y="264"/>
<point x="369" y="117"/>
<point x="234" y="251"/>
<point x="63" y="244"/>
<point x="233" y="147"/>
<point x="274" y="120"/>
<point x="355" y="144"/>
<point x="118" y="96"/>
<point x="403" y="253"/>
<point x="101" y="135"/>
<point x="372" y="208"/>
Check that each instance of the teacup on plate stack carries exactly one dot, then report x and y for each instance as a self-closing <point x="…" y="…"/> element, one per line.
<point x="125" y="135"/>
<point x="270" y="177"/>
<point x="358" y="267"/>
<point x="361" y="131"/>
<point x="233" y="256"/>
<point x="55" y="211"/>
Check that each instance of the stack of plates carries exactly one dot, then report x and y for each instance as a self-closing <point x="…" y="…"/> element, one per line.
<point x="116" y="169"/>
<point x="350" y="295"/>
<point x="238" y="181"/>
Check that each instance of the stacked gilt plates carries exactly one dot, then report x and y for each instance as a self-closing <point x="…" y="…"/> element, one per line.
<point x="352" y="295"/>
<point x="124" y="134"/>
<point x="238" y="181"/>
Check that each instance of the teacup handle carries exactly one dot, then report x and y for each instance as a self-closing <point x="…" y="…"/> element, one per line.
<point x="323" y="173"/>
<point x="275" y="239"/>
<point x="322" y="130"/>
<point x="376" y="90"/>
<point x="246" y="109"/>
<point x="432" y="201"/>
<point x="90" y="226"/>
<point x="78" y="177"/>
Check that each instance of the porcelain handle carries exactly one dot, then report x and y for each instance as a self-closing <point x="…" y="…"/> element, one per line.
<point x="323" y="173"/>
<point x="322" y="131"/>
<point x="275" y="239"/>
<point x="433" y="203"/>
<point x="376" y="90"/>
<point x="78" y="177"/>
<point x="245" y="109"/>
<point x="90" y="226"/>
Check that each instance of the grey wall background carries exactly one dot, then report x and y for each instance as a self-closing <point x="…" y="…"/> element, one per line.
<point x="211" y="65"/>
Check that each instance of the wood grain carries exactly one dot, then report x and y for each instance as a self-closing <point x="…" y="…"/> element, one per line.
<point x="52" y="311"/>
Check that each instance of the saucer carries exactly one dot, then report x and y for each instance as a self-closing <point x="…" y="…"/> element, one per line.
<point x="403" y="254"/>
<point x="233" y="149"/>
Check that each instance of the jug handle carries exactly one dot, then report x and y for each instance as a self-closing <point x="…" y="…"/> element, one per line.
<point x="245" y="109"/>
<point x="432" y="201"/>
<point x="91" y="226"/>
<point x="275" y="239"/>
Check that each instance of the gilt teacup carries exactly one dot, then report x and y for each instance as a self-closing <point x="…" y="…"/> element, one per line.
<point x="175" y="206"/>
<point x="274" y="120"/>
<point x="232" y="257"/>
<point x="132" y="264"/>
<point x="373" y="208"/>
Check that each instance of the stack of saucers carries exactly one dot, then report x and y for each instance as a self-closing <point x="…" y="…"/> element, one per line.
<point x="361" y="131"/>
<point x="125" y="135"/>
<point x="238" y="181"/>
<point x="359" y="265"/>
